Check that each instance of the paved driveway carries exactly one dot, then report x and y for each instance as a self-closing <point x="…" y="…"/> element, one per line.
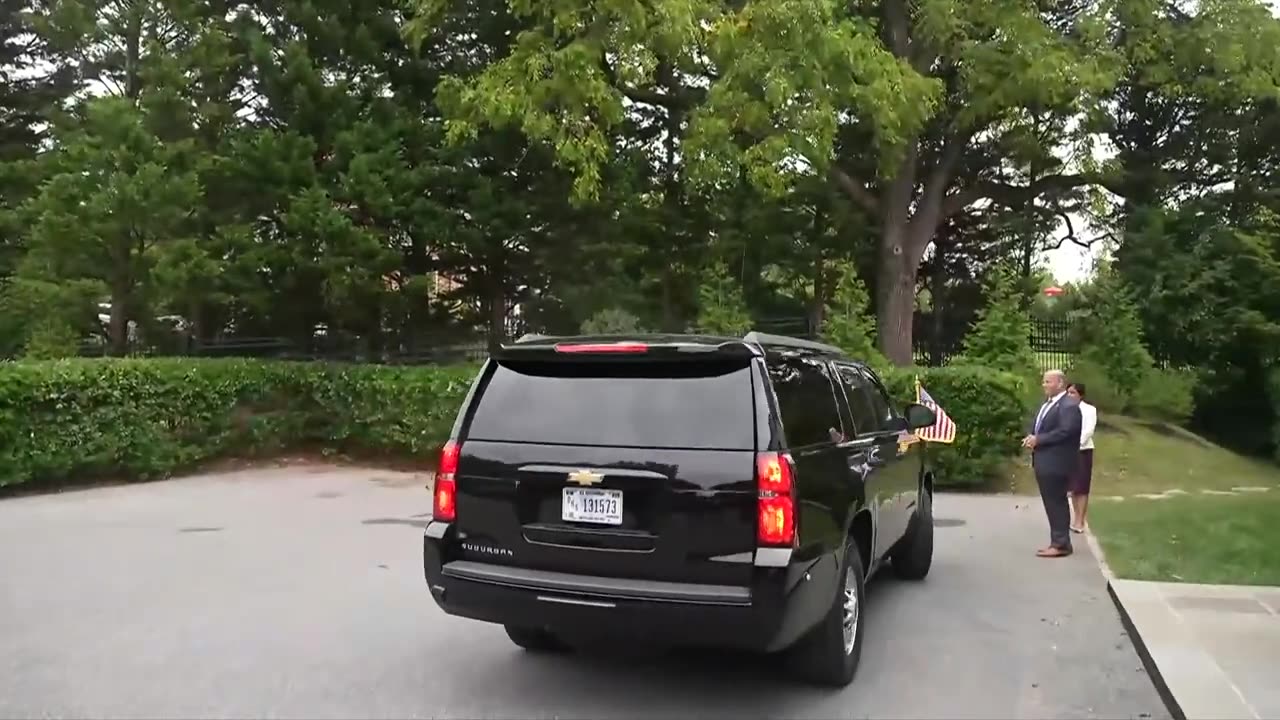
<point x="298" y="592"/>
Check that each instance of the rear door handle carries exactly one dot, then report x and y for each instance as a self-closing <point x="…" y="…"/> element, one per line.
<point x="864" y="464"/>
<point x="873" y="458"/>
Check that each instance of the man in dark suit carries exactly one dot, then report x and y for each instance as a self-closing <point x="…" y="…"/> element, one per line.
<point x="1054" y="440"/>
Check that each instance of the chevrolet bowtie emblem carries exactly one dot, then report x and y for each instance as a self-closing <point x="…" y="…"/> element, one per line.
<point x="585" y="477"/>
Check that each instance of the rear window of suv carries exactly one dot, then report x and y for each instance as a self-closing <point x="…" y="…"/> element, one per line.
<point x="688" y="405"/>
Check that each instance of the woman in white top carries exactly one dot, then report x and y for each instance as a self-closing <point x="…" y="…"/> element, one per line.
<point x="1083" y="478"/>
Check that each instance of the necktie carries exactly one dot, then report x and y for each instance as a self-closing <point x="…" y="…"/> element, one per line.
<point x="1044" y="410"/>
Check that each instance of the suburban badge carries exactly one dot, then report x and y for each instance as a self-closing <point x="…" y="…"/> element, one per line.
<point x="486" y="550"/>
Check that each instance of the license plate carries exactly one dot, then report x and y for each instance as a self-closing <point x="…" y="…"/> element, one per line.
<point x="593" y="505"/>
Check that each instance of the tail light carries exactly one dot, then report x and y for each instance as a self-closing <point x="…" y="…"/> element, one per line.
<point x="776" y="507"/>
<point x="445" y="503"/>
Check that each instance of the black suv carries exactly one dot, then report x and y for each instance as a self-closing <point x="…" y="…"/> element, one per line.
<point x="682" y="490"/>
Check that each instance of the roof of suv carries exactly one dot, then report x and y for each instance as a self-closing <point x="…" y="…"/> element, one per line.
<point x="754" y="342"/>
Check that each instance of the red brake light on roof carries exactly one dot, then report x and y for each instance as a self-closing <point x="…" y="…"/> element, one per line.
<point x="444" y="503"/>
<point x="618" y="347"/>
<point x="775" y="508"/>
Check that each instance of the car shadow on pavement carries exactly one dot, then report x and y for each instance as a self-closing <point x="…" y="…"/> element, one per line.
<point x="634" y="681"/>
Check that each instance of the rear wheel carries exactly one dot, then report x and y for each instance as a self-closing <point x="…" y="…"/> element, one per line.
<point x="829" y="654"/>
<point x="534" y="639"/>
<point x="914" y="555"/>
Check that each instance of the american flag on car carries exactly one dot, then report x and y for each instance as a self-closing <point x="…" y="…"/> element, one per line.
<point x="942" y="431"/>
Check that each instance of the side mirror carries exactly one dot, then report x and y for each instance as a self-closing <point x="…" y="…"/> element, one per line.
<point x="919" y="416"/>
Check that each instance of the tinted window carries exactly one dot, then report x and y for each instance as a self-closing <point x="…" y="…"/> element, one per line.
<point x="650" y="404"/>
<point x="804" y="390"/>
<point x="857" y="390"/>
<point x="885" y="413"/>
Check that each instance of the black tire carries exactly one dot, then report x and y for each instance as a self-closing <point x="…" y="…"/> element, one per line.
<point x="914" y="555"/>
<point x="534" y="639"/>
<point x="821" y="657"/>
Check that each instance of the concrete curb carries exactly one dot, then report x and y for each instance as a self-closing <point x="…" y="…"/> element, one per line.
<point x="1144" y="653"/>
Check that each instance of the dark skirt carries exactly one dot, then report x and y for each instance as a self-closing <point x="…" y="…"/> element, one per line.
<point x="1083" y="477"/>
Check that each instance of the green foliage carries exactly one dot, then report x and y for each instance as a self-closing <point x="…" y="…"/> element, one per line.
<point x="116" y="192"/>
<point x="988" y="408"/>
<point x="51" y="338"/>
<point x="141" y="419"/>
<point x="1167" y="395"/>
<point x="1104" y="393"/>
<point x="779" y="74"/>
<point x="1111" y="333"/>
<point x="275" y="169"/>
<point x="846" y="323"/>
<point x="721" y="309"/>
<point x="1209" y="278"/>
<point x="1273" y="395"/>
<point x="1001" y="339"/>
<point x="30" y="306"/>
<point x="612" y="321"/>
<point x="1164" y="395"/>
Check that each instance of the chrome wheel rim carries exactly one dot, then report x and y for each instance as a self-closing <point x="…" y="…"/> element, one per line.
<point x="850" y="614"/>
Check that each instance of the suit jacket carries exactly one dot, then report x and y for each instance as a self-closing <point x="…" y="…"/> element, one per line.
<point x="1057" y="450"/>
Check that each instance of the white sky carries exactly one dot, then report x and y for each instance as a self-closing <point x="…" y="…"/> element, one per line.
<point x="1070" y="262"/>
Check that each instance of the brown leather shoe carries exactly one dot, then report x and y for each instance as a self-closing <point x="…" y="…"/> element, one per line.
<point x="1053" y="552"/>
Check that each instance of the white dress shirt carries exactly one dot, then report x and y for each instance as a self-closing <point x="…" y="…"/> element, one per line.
<point x="1088" y="423"/>
<point x="1044" y="410"/>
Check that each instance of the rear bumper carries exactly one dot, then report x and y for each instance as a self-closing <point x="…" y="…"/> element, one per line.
<point x="580" y="607"/>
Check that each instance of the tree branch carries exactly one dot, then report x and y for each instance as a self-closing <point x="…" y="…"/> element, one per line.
<point x="1071" y="235"/>
<point x="897" y="27"/>
<point x="855" y="190"/>
<point x="1017" y="195"/>
<point x="933" y="199"/>
<point x="640" y="95"/>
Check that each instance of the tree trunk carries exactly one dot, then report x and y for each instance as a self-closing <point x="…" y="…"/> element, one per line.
<point x="902" y="246"/>
<point x="895" y="297"/>
<point x="817" y="310"/>
<point x="496" y="303"/>
<point x="938" y="289"/>
<point x="118" y="324"/>
<point x="669" y="323"/>
<point x="497" y="315"/>
<point x="133" y="53"/>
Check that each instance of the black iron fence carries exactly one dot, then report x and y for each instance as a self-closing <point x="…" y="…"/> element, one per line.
<point x="1053" y="344"/>
<point x="1052" y="341"/>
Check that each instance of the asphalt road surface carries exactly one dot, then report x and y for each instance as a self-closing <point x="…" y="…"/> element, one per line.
<point x="298" y="592"/>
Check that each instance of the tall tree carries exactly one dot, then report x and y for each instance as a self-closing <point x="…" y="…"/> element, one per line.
<point x="942" y="94"/>
<point x="116" y="194"/>
<point x="33" y="83"/>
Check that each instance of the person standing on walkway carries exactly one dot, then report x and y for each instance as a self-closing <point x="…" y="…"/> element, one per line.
<point x="1083" y="477"/>
<point x="1054" y="441"/>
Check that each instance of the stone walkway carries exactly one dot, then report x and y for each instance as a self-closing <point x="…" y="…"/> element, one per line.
<point x="1175" y="492"/>
<point x="1215" y="648"/>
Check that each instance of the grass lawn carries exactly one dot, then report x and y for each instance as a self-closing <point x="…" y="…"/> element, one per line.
<point x="1200" y="529"/>
<point x="1230" y="540"/>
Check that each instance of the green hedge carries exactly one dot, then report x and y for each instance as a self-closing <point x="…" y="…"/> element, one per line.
<point x="989" y="409"/>
<point x="142" y="419"/>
